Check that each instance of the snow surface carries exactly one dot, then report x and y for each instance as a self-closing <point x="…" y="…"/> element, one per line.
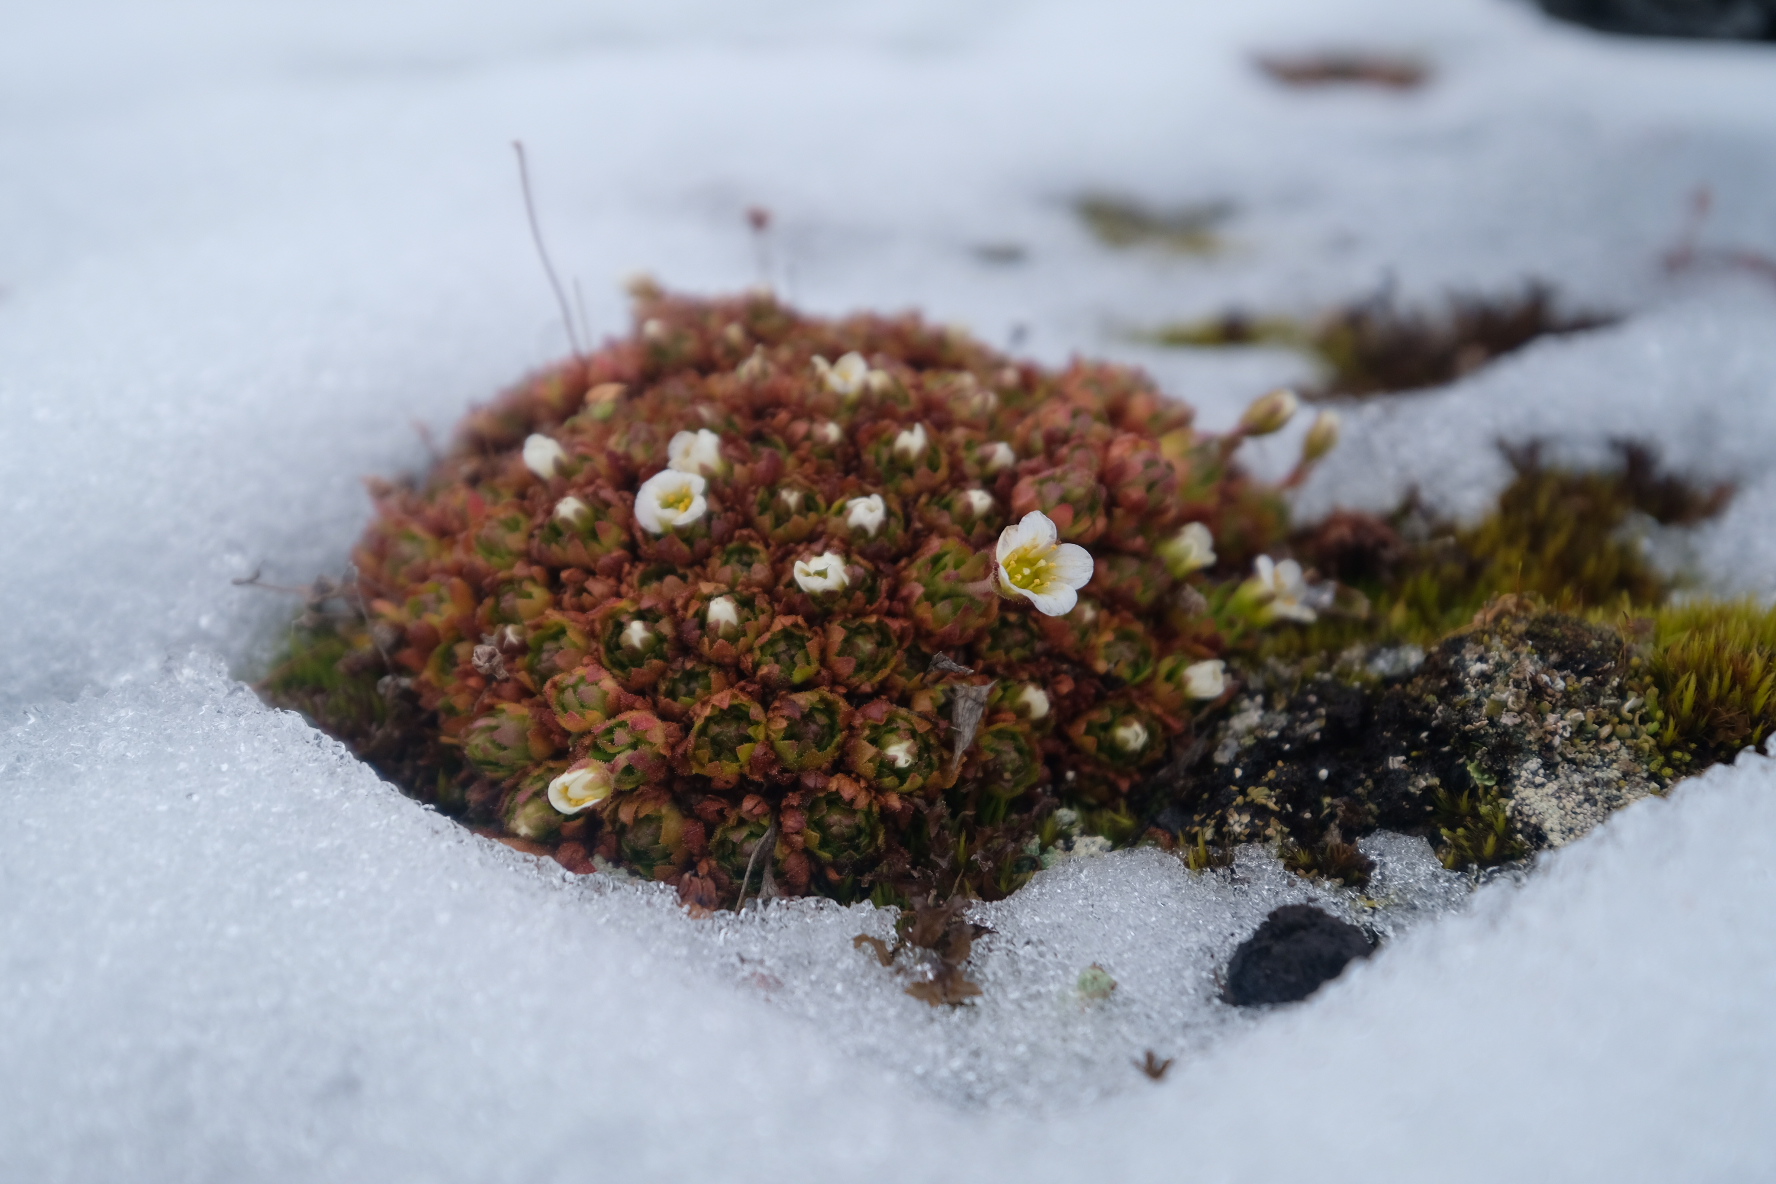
<point x="251" y="246"/>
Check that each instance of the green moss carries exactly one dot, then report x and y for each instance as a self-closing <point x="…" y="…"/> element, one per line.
<point x="1476" y="827"/>
<point x="1711" y="678"/>
<point x="1372" y="346"/>
<point x="1121" y="222"/>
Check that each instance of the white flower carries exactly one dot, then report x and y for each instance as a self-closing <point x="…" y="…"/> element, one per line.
<point x="637" y="636"/>
<point x="978" y="501"/>
<point x="695" y="452"/>
<point x="791" y="498"/>
<point x="1285" y="589"/>
<point x="1035" y="565"/>
<point x="723" y="613"/>
<point x="581" y="788"/>
<point x="823" y="573"/>
<point x="1034" y="700"/>
<point x="543" y="456"/>
<point x="1130" y="735"/>
<point x="1205" y="680"/>
<point x="669" y="499"/>
<point x="911" y="442"/>
<point x="900" y="753"/>
<point x="572" y="510"/>
<point x="997" y="457"/>
<point x="847" y="376"/>
<point x="866" y="513"/>
<point x="828" y="432"/>
<point x="879" y="381"/>
<point x="1191" y="549"/>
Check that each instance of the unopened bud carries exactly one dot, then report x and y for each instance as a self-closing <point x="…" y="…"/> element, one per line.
<point x="1322" y="437"/>
<point x="1268" y="413"/>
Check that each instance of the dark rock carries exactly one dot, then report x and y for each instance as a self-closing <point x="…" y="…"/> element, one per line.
<point x="1296" y="949"/>
<point x="1747" y="20"/>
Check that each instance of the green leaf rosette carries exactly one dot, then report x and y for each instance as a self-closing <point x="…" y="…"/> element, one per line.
<point x="1120" y="734"/>
<point x="862" y="652"/>
<point x="634" y="643"/>
<point x="650" y="831"/>
<point x="726" y="738"/>
<point x="1139" y="582"/>
<point x="894" y="750"/>
<point x="686" y="684"/>
<point x="557" y="646"/>
<point x="807" y="730"/>
<point x="1013" y="638"/>
<point x="788" y="655"/>
<point x="584" y="528"/>
<point x="526" y="811"/>
<point x="1071" y="497"/>
<point x="843" y="832"/>
<point x="656" y="585"/>
<point x="973" y="515"/>
<point x="724" y="625"/>
<point x="501" y="537"/>
<point x="506" y="741"/>
<point x="947" y="592"/>
<point x="584" y="698"/>
<point x="792" y="512"/>
<point x="517" y="602"/>
<point x="638" y="747"/>
<point x="733" y="843"/>
<point x="743" y="563"/>
<point x="1007" y="761"/>
<point x="1143" y="489"/>
<point x="1122" y="650"/>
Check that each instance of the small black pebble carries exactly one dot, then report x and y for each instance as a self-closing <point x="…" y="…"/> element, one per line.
<point x="1296" y="949"/>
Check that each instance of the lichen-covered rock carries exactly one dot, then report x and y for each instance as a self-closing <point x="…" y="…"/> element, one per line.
<point x="1518" y="734"/>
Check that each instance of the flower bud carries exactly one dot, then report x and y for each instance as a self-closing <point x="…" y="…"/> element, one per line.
<point x="1191" y="549"/>
<point x="544" y="456"/>
<point x="1119" y="734"/>
<point x="1322" y="437"/>
<point x="894" y="750"/>
<point x="1268" y="413"/>
<point x="581" y="787"/>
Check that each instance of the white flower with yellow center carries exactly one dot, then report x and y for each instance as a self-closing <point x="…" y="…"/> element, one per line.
<point x="1191" y="549"/>
<point x="978" y="501"/>
<point x="572" y="510"/>
<point x="581" y="788"/>
<point x="900" y="753"/>
<point x="911" y="443"/>
<point x="844" y="377"/>
<point x="1131" y="736"/>
<point x="997" y="457"/>
<point x="543" y="455"/>
<point x="1205" y="680"/>
<point x="1035" y="564"/>
<point x="1034" y="701"/>
<point x="823" y="573"/>
<point x="866" y="514"/>
<point x="1284" y="588"/>
<point x="723" y="614"/>
<point x="669" y="499"/>
<point x="695" y="452"/>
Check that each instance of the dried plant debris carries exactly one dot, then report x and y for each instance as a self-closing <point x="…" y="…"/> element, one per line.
<point x="1345" y="68"/>
<point x="1191" y="229"/>
<point x="1375" y="347"/>
<point x="939" y="939"/>
<point x="1154" y="1066"/>
<point x="756" y="603"/>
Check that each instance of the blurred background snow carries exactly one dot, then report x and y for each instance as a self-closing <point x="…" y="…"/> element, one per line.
<point x="249" y="248"/>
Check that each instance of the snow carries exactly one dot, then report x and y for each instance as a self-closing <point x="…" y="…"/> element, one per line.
<point x="251" y="246"/>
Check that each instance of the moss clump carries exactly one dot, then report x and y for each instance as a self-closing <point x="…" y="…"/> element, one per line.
<point x="1710" y="678"/>
<point x="722" y="604"/>
<point x="1374" y="347"/>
